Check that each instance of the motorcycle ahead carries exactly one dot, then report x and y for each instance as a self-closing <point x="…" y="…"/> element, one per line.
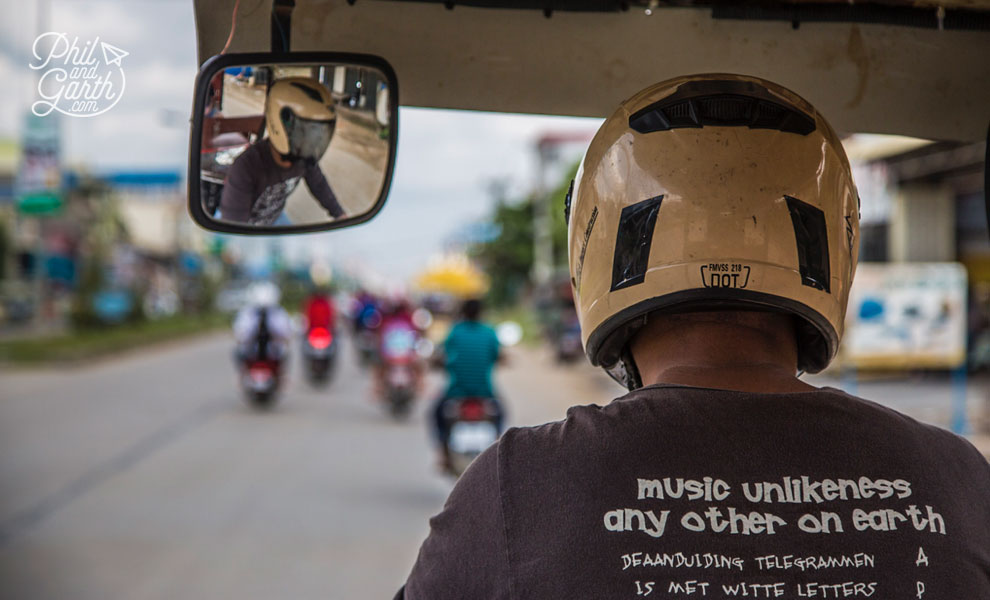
<point x="260" y="378"/>
<point x="319" y="349"/>
<point x="366" y="324"/>
<point x="472" y="425"/>
<point x="399" y="370"/>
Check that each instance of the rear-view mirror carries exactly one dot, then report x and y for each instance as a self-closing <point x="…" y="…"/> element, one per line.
<point x="291" y="143"/>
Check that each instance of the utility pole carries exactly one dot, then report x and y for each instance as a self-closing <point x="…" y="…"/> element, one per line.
<point x="542" y="219"/>
<point x="548" y="148"/>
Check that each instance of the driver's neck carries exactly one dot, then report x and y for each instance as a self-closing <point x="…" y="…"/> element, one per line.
<point x="748" y="355"/>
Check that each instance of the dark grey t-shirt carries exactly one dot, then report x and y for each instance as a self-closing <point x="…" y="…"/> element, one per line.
<point x="257" y="188"/>
<point x="680" y="492"/>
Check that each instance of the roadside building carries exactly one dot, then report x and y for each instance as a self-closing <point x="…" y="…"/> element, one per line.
<point x="923" y="208"/>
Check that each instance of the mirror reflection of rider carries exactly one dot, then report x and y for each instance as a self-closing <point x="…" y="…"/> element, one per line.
<point x="300" y="118"/>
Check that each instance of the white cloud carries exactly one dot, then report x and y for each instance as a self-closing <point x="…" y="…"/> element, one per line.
<point x="19" y="93"/>
<point x="444" y="161"/>
<point x="448" y="149"/>
<point x="116" y="23"/>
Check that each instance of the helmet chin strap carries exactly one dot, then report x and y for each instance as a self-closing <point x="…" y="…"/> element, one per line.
<point x="633" y="379"/>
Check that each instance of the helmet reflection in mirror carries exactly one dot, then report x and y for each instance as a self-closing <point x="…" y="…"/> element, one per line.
<point x="705" y="192"/>
<point x="300" y="116"/>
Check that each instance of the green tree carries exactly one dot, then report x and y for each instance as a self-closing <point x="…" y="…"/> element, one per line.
<point x="94" y="205"/>
<point x="6" y="247"/>
<point x="559" y="231"/>
<point x="508" y="258"/>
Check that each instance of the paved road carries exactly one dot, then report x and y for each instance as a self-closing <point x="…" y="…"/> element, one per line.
<point x="146" y="477"/>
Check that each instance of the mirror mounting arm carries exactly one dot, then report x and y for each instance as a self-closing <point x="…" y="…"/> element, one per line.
<point x="282" y="25"/>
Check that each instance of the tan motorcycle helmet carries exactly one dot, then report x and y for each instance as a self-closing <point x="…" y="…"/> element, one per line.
<point x="300" y="117"/>
<point x="712" y="192"/>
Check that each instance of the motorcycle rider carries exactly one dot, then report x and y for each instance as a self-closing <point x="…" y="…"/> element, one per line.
<point x="469" y="355"/>
<point x="262" y="328"/>
<point x="300" y="117"/>
<point x="319" y="309"/>
<point x="713" y="238"/>
<point x="366" y="319"/>
<point x="397" y="337"/>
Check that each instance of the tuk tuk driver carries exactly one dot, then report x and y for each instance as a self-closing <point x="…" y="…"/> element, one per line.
<point x="713" y="236"/>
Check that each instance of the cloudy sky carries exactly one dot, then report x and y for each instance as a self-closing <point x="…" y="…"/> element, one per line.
<point x="445" y="163"/>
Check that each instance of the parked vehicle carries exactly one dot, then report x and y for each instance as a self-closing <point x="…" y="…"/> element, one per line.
<point x="567" y="345"/>
<point x="216" y="159"/>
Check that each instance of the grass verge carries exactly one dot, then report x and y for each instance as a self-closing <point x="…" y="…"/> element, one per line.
<point x="96" y="343"/>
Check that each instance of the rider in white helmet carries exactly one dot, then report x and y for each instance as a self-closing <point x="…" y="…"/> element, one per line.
<point x="262" y="328"/>
<point x="713" y="236"/>
<point x="300" y="117"/>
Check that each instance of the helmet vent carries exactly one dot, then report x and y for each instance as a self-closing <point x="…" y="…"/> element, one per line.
<point x="633" y="242"/>
<point x="731" y="110"/>
<point x="567" y="204"/>
<point x="722" y="104"/>
<point x="313" y="94"/>
<point x="812" y="243"/>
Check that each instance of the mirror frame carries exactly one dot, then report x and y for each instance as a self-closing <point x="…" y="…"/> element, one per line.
<point x="223" y="61"/>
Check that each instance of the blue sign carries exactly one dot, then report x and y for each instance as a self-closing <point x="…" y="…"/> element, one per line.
<point x="113" y="306"/>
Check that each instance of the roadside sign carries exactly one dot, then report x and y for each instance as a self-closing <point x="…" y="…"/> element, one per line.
<point x="906" y="315"/>
<point x="38" y="185"/>
<point x="112" y="306"/>
<point x="40" y="203"/>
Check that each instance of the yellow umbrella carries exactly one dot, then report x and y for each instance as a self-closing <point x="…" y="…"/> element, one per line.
<point x="454" y="275"/>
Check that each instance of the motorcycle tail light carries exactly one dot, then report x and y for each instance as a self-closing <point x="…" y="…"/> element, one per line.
<point x="260" y="369"/>
<point x="472" y="410"/>
<point x="320" y="337"/>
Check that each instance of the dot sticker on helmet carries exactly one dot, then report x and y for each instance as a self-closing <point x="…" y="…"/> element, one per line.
<point x="633" y="242"/>
<point x="725" y="275"/>
<point x="812" y="243"/>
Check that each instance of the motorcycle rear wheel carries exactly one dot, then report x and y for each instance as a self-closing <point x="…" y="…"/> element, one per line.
<point x="262" y="400"/>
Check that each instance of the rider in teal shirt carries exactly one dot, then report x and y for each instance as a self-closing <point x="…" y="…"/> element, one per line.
<point x="471" y="351"/>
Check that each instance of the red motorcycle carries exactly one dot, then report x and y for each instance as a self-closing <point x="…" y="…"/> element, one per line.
<point x="319" y="352"/>
<point x="319" y="347"/>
